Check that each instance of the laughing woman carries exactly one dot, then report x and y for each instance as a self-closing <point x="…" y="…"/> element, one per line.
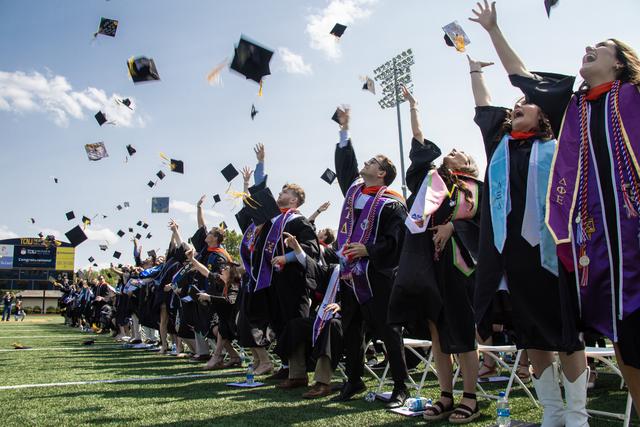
<point x="594" y="193"/>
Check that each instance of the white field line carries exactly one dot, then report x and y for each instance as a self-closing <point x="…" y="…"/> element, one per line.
<point x="84" y="347"/>
<point x="116" y="381"/>
<point x="47" y="336"/>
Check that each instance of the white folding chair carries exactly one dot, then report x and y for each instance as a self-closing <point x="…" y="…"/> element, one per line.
<point x="413" y="345"/>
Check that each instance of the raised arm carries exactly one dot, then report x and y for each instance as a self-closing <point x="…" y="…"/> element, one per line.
<point x="345" y="157"/>
<point x="487" y="17"/>
<point x="197" y="265"/>
<point x="259" y="175"/>
<point x="416" y="127"/>
<point x="481" y="94"/>
<point x="173" y="226"/>
<point x="246" y="178"/>
<point x="323" y="207"/>
<point x="201" y="222"/>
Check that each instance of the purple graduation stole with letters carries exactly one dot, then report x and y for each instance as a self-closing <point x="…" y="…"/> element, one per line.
<point x="329" y="298"/>
<point x="265" y="272"/>
<point x="363" y="230"/>
<point x="248" y="240"/>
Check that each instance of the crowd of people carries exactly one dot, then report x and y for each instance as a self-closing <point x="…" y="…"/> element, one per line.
<point x="544" y="245"/>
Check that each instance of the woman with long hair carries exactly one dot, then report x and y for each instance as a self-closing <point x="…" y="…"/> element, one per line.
<point x="593" y="199"/>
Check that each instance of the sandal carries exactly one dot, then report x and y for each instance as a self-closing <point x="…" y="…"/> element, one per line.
<point x="438" y="410"/>
<point x="487" y="371"/>
<point x="523" y="373"/>
<point x="467" y="414"/>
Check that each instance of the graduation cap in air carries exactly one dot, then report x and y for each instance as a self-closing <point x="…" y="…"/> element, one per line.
<point x="41" y="235"/>
<point x="126" y="102"/>
<point x="261" y="206"/>
<point x="119" y="207"/>
<point x="120" y="233"/>
<point x="251" y="60"/>
<point x="149" y="235"/>
<point x="160" y="175"/>
<point x="142" y="69"/>
<point x="104" y="247"/>
<point x="55" y="179"/>
<point x="338" y="30"/>
<point x="131" y="150"/>
<point x="138" y="236"/>
<point x="216" y="198"/>
<point x="548" y="4"/>
<point x="104" y="216"/>
<point x="91" y="259"/>
<point x="152" y="254"/>
<point x="223" y="225"/>
<point x="229" y="172"/>
<point x="328" y="176"/>
<point x="126" y="204"/>
<point x="455" y="36"/>
<point x="76" y="236"/>
<point x="130" y="229"/>
<point x="145" y="225"/>
<point x="108" y="27"/>
<point x="176" y="166"/>
<point x="160" y="205"/>
<point x="86" y="221"/>
<point x="100" y="118"/>
<point x="33" y="221"/>
<point x="139" y="223"/>
<point x="70" y="215"/>
<point x="253" y="111"/>
<point x="335" y="117"/>
<point x="96" y="151"/>
<point x="151" y="184"/>
<point x="369" y="85"/>
<point x="117" y="255"/>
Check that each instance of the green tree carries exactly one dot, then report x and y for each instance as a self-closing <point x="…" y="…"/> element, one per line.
<point x="232" y="241"/>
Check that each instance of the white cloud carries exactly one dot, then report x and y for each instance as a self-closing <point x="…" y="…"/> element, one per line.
<point x="53" y="95"/>
<point x="345" y="12"/>
<point x="5" y="233"/>
<point x="293" y="63"/>
<point x="188" y="208"/>
<point x="101" y="234"/>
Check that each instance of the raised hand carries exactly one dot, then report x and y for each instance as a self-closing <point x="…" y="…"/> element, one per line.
<point x="259" y="150"/>
<point x="323" y="207"/>
<point x="344" y="114"/>
<point x="246" y="173"/>
<point x="201" y="201"/>
<point x="173" y="226"/>
<point x="408" y="96"/>
<point x="486" y="15"/>
<point x="477" y="65"/>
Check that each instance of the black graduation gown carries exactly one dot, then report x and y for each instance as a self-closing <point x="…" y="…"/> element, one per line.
<point x="300" y="330"/>
<point x="553" y="92"/>
<point x="544" y="316"/>
<point x="426" y="289"/>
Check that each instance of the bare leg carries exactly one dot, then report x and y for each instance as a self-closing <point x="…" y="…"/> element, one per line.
<point x="444" y="367"/>
<point x="164" y="321"/>
<point x="573" y="365"/>
<point x="540" y="360"/>
<point x="631" y="377"/>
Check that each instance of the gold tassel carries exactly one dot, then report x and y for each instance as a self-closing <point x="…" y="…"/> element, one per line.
<point x="260" y="91"/>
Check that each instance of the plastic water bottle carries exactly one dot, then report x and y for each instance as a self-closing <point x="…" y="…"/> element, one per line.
<point x="504" y="414"/>
<point x="370" y="397"/>
<point x="250" y="374"/>
<point x="417" y="404"/>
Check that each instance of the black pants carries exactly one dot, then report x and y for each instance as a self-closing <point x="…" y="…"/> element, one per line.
<point x="373" y="316"/>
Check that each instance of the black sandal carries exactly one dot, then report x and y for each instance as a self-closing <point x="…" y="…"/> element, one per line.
<point x="438" y="410"/>
<point x="467" y="413"/>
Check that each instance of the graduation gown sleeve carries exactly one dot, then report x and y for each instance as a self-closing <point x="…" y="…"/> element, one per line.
<point x="346" y="166"/>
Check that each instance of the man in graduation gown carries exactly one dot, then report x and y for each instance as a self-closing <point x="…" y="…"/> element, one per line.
<point x="369" y="241"/>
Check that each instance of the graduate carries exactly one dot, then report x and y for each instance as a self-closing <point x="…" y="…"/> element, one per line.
<point x="369" y="241"/>
<point x="442" y="239"/>
<point x="517" y="252"/>
<point x="593" y="200"/>
<point x="317" y="338"/>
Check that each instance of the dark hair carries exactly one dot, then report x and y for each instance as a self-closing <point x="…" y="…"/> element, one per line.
<point x="330" y="237"/>
<point x="629" y="58"/>
<point x="218" y="233"/>
<point x="451" y="179"/>
<point x="544" y="131"/>
<point x="388" y="167"/>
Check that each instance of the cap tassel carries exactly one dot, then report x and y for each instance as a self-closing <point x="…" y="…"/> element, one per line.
<point x="628" y="204"/>
<point x="260" y="91"/>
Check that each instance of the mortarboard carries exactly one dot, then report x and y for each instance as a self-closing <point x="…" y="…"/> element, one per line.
<point x="338" y="30"/>
<point x="145" y="225"/>
<point x="91" y="259"/>
<point x="126" y="204"/>
<point x="152" y="253"/>
<point x="76" y="236"/>
<point x="120" y="233"/>
<point x="116" y="255"/>
<point x="216" y="198"/>
<point x="33" y="221"/>
<point x="86" y="221"/>
<point x="548" y="4"/>
<point x="127" y="103"/>
<point x="95" y="265"/>
<point x="138" y="236"/>
<point x="251" y="60"/>
<point x="369" y="85"/>
<point x="160" y="205"/>
<point x="142" y="69"/>
<point x="96" y="151"/>
<point x="104" y="216"/>
<point x="119" y="207"/>
<point x="107" y="27"/>
<point x="455" y="36"/>
<point x="328" y="176"/>
<point x="130" y="229"/>
<point x="223" y="225"/>
<point x="70" y="215"/>
<point x="55" y="180"/>
<point x="149" y="235"/>
<point x="262" y="206"/>
<point x="131" y="150"/>
<point x="335" y="117"/>
<point x="151" y="184"/>
<point x="253" y="111"/>
<point x="100" y="118"/>
<point x="160" y="175"/>
<point x="104" y="247"/>
<point x="229" y="172"/>
<point x="176" y="166"/>
<point x="41" y="235"/>
<point x="139" y="223"/>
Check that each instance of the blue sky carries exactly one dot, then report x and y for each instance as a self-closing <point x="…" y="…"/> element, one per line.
<point x="46" y="118"/>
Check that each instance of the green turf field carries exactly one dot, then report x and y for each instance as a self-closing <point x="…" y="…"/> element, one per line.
<point x="59" y="357"/>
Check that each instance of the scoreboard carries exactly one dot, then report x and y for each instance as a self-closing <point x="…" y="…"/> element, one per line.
<point x="32" y="254"/>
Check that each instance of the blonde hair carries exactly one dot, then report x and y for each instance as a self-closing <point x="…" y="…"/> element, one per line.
<point x="297" y="190"/>
<point x="630" y="73"/>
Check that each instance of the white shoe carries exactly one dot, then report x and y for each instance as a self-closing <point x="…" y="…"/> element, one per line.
<point x="576" y="393"/>
<point x="550" y="397"/>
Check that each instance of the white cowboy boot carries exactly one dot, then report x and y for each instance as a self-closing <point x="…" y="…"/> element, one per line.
<point x="550" y="397"/>
<point x="576" y="395"/>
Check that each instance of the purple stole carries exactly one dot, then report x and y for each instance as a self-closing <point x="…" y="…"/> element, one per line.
<point x="585" y="246"/>
<point x="364" y="231"/>
<point x="265" y="271"/>
<point x="329" y="298"/>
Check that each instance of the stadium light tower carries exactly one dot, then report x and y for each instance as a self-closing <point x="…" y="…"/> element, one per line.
<point x="391" y="75"/>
